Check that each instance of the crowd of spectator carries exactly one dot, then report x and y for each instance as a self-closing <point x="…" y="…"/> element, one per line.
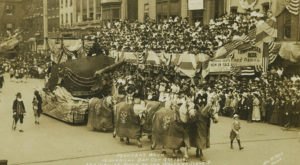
<point x="26" y="65"/>
<point x="271" y="98"/>
<point x="175" y="34"/>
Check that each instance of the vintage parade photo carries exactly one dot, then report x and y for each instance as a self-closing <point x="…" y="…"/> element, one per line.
<point x="149" y="82"/>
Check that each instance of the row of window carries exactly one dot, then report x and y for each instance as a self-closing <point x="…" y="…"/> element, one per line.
<point x="67" y="3"/>
<point x="66" y="18"/>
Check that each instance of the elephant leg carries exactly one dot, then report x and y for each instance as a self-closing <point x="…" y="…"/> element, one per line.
<point x="114" y="133"/>
<point x="150" y="137"/>
<point x="163" y="151"/>
<point x="127" y="140"/>
<point x="186" y="156"/>
<point x="179" y="152"/>
<point x="139" y="143"/>
<point x="202" y="158"/>
<point x="153" y="145"/>
<point x="197" y="152"/>
<point x="174" y="155"/>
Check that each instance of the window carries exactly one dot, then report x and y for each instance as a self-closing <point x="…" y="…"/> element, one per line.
<point x="71" y="20"/>
<point x="197" y="16"/>
<point x="9" y="9"/>
<point x="233" y="9"/>
<point x="61" y="3"/>
<point x="9" y="26"/>
<point x="265" y="7"/>
<point x="67" y="20"/>
<point x="167" y="8"/>
<point x="62" y="19"/>
<point x="66" y="3"/>
<point x="71" y="2"/>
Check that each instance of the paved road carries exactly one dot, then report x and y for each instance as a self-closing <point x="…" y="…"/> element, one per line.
<point x="56" y="143"/>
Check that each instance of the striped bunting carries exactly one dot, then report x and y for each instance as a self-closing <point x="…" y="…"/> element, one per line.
<point x="247" y="71"/>
<point x="273" y="51"/>
<point x="246" y="42"/>
<point x="141" y="57"/>
<point x="293" y="6"/>
<point x="258" y="68"/>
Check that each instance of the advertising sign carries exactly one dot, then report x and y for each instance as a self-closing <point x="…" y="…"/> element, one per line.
<point x="220" y="65"/>
<point x="249" y="57"/>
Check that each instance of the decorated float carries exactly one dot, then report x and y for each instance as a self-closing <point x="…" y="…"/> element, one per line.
<point x="74" y="77"/>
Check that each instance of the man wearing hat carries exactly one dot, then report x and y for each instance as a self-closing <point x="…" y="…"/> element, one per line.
<point x="235" y="132"/>
<point x="18" y="111"/>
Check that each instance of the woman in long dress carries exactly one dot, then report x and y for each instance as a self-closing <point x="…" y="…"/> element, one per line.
<point x="256" y="109"/>
<point x="275" y="115"/>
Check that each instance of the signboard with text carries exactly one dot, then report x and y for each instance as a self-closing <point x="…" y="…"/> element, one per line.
<point x="195" y="4"/>
<point x="250" y="57"/>
<point x="237" y="58"/>
<point x="220" y="65"/>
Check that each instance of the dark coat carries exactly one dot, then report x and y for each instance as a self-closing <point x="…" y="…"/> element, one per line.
<point x="18" y="107"/>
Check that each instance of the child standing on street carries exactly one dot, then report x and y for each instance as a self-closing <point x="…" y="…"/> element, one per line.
<point x="235" y="134"/>
<point x="37" y="106"/>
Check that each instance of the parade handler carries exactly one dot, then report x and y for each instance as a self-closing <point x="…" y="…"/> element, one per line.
<point x="18" y="111"/>
<point x="235" y="134"/>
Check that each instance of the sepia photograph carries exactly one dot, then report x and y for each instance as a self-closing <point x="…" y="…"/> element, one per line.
<point x="149" y="82"/>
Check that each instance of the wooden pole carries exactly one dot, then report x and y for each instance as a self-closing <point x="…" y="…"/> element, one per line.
<point x="45" y="16"/>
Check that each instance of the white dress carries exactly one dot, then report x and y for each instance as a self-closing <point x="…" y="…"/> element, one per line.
<point x="256" y="110"/>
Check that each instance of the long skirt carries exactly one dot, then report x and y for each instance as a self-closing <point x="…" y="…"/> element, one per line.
<point x="275" y="118"/>
<point x="256" y="113"/>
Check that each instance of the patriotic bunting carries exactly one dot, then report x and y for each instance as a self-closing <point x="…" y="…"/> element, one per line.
<point x="293" y="6"/>
<point x="273" y="51"/>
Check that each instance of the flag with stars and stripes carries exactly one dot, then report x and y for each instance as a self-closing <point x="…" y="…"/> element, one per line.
<point x="273" y="48"/>
<point x="279" y="6"/>
<point x="243" y="42"/>
<point x="293" y="6"/>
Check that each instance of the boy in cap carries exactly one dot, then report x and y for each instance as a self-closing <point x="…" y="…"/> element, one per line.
<point x="234" y="134"/>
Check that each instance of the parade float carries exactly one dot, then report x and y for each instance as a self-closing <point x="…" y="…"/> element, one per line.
<point x="8" y="46"/>
<point x="75" y="77"/>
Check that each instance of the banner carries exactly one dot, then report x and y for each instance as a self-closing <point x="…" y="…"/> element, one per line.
<point x="220" y="65"/>
<point x="250" y="57"/>
<point x="195" y="4"/>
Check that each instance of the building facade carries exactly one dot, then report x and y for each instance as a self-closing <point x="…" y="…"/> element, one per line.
<point x="33" y="17"/>
<point x="91" y="12"/>
<point x="11" y="13"/>
<point x="162" y="9"/>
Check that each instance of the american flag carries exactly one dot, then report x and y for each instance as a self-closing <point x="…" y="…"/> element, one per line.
<point x="293" y="6"/>
<point x="246" y="41"/>
<point x="273" y="48"/>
